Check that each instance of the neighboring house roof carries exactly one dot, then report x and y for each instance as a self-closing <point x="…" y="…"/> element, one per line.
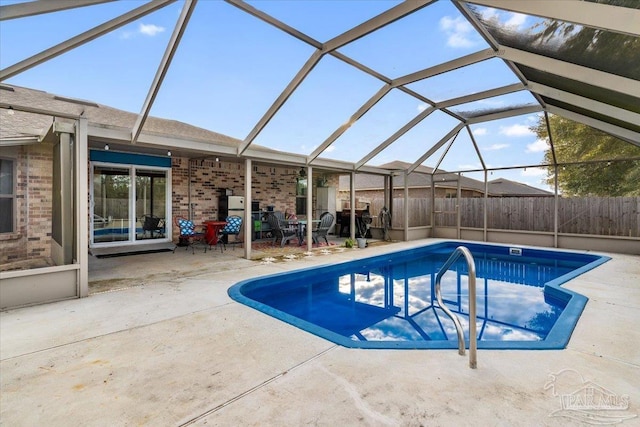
<point x="504" y="187"/>
<point x="444" y="179"/>
<point x="420" y="178"/>
<point x="21" y="123"/>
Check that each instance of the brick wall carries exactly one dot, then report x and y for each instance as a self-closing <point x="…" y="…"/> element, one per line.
<point x="271" y="186"/>
<point x="31" y="240"/>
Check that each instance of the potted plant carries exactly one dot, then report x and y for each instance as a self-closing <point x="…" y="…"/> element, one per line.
<point x="362" y="242"/>
<point x="349" y="243"/>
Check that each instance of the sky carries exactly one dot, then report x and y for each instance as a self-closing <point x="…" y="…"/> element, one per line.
<point x="230" y="68"/>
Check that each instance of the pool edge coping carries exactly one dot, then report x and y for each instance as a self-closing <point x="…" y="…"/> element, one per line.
<point x="556" y="339"/>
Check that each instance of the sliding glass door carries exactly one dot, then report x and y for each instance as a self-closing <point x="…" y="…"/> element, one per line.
<point x="151" y="204"/>
<point x="129" y="204"/>
<point x="111" y="196"/>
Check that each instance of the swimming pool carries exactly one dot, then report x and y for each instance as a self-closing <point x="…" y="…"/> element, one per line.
<point x="388" y="301"/>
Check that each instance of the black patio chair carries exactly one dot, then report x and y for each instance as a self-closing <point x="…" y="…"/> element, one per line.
<point x="326" y="221"/>
<point x="153" y="225"/>
<point x="279" y="231"/>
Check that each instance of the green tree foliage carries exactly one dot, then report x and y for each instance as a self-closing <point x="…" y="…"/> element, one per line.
<point x="575" y="142"/>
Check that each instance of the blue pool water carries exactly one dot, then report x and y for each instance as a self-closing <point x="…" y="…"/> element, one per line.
<point x="389" y="301"/>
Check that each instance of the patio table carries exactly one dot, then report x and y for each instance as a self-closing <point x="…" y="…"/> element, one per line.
<point x="301" y="223"/>
<point x="212" y="230"/>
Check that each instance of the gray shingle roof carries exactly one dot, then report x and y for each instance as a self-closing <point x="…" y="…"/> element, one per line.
<point x="34" y="124"/>
<point x="504" y="187"/>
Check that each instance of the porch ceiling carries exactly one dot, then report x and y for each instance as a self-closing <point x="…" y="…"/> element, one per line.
<point x="554" y="64"/>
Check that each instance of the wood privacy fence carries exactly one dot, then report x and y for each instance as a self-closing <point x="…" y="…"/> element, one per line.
<point x="419" y="212"/>
<point x="606" y="216"/>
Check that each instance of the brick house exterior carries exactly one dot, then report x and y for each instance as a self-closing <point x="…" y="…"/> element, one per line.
<point x="31" y="241"/>
<point x="31" y="238"/>
<point x="197" y="178"/>
<point x="271" y="186"/>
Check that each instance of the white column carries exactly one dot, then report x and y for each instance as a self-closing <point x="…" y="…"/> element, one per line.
<point x="555" y="205"/>
<point x="248" y="220"/>
<point x="81" y="178"/>
<point x="309" y="207"/>
<point x="458" y="215"/>
<point x="406" y="206"/>
<point x="486" y="200"/>
<point x="352" y="219"/>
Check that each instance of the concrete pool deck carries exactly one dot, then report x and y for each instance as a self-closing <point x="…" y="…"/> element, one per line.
<point x="172" y="349"/>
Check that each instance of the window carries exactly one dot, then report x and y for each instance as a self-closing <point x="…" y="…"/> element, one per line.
<point x="7" y="196"/>
<point x="301" y="196"/>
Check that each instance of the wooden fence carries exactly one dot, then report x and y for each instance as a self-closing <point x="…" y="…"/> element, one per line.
<point x="419" y="212"/>
<point x="606" y="216"/>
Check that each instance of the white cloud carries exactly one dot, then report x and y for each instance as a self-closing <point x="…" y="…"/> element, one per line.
<point x="516" y="130"/>
<point x="489" y="13"/>
<point x="538" y="146"/>
<point x="422" y="107"/>
<point x="480" y="131"/>
<point x="516" y="20"/>
<point x="533" y="172"/>
<point x="495" y="147"/>
<point x="459" y="32"/>
<point x="509" y="19"/>
<point x="150" y="29"/>
<point x="534" y="118"/>
<point x="329" y="149"/>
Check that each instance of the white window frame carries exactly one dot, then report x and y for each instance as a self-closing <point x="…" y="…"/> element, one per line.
<point x="12" y="195"/>
<point x="132" y="206"/>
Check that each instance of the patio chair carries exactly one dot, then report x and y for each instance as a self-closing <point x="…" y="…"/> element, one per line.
<point x="188" y="234"/>
<point x="326" y="221"/>
<point x="279" y="231"/>
<point x="153" y="225"/>
<point x="233" y="228"/>
<point x="280" y="216"/>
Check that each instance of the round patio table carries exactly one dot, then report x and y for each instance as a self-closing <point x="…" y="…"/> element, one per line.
<point x="212" y="231"/>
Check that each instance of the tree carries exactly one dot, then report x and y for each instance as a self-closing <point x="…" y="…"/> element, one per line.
<point x="609" y="172"/>
<point x="574" y="142"/>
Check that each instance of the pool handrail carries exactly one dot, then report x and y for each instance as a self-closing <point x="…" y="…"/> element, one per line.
<point x="471" y="265"/>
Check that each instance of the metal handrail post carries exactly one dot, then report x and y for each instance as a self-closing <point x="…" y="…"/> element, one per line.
<point x="473" y="342"/>
<point x="471" y="265"/>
